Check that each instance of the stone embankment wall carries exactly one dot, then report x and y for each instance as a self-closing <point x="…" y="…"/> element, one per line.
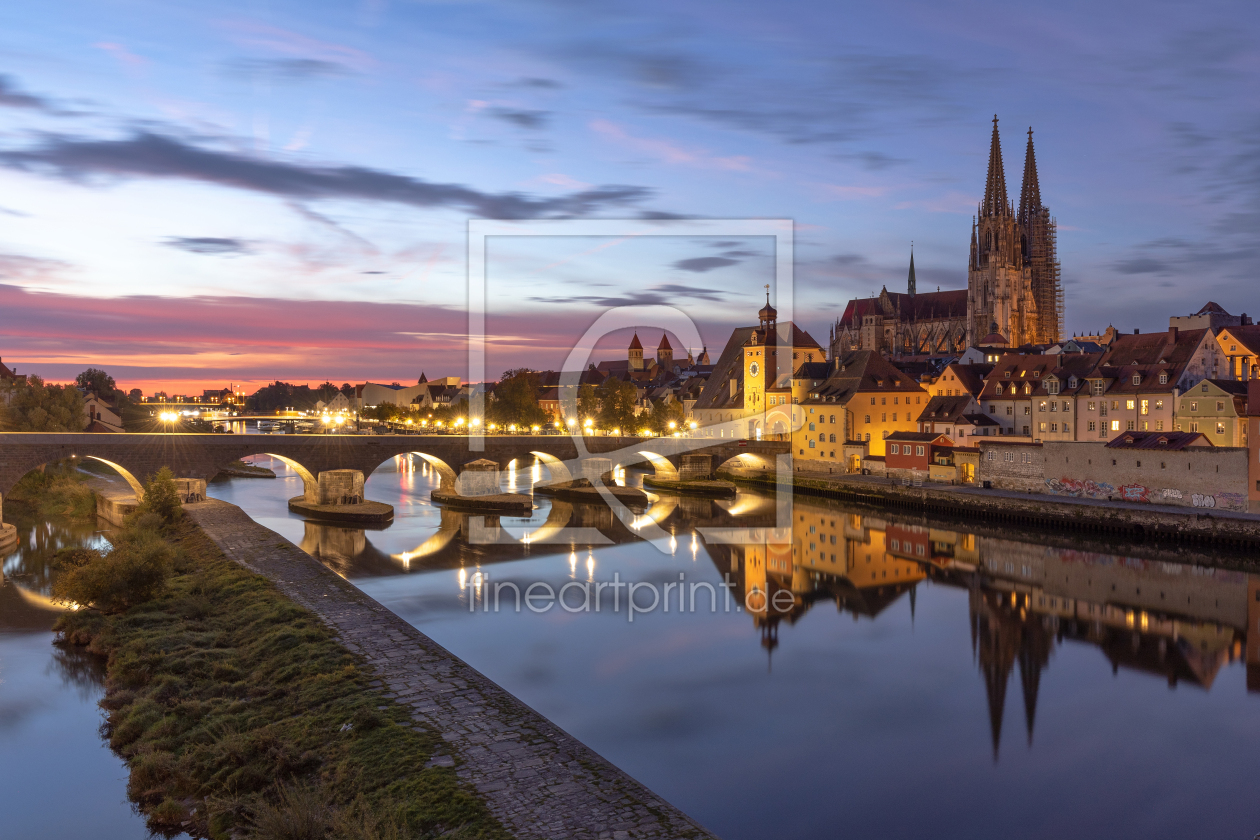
<point x="1164" y="523"/>
<point x="1201" y="477"/>
<point x="538" y="780"/>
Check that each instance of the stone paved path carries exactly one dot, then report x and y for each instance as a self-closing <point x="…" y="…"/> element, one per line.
<point x="538" y="780"/>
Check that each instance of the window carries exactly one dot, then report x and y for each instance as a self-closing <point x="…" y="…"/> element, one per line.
<point x="1130" y="404"/>
<point x="811" y="444"/>
<point x="1052" y="386"/>
<point x="883" y="400"/>
<point x="1220" y="406"/>
<point x="872" y="401"/>
<point x="1115" y="425"/>
<point x="1194" y="427"/>
<point x="866" y="418"/>
<point x="811" y="427"/>
<point x="988" y="456"/>
<point x="1146" y="406"/>
<point x="1159" y="405"/>
<point x="833" y="419"/>
<point x="822" y="438"/>
<point x="993" y="409"/>
<point x="1041" y="406"/>
<point x="1027" y="410"/>
<point x="1220" y="428"/>
<point x="1205" y="387"/>
<point x="1026" y="457"/>
<point x="1098" y="386"/>
<point x="1159" y="425"/>
<point x="894" y="417"/>
<point x="1163" y="379"/>
<point x="1092" y="425"/>
<point x="918" y="450"/>
<point x="1137" y="379"/>
<point x="1036" y="374"/>
<point x="1007" y="456"/>
<point x="833" y="439"/>
<point x="1054" y="405"/>
<point x="1041" y="427"/>
<point x="1008" y="374"/>
<point x="894" y="449"/>
<point x="1129" y="425"/>
<point x="883" y="418"/>
<point x="1009" y="410"/>
<point x="1066" y="427"/>
<point x="999" y="389"/>
<point x="1115" y="404"/>
<point x="894" y="400"/>
<point x="1194" y="406"/>
<point x="1146" y="425"/>
<point x="1054" y="427"/>
<point x="868" y="437"/>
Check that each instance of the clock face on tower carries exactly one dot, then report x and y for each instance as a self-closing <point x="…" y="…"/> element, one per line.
<point x="753" y="369"/>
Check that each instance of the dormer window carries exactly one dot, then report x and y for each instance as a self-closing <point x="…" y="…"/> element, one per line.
<point x="1027" y="387"/>
<point x="1163" y="379"/>
<point x="1137" y="379"/>
<point x="1052" y="386"/>
<point x="1008" y="374"/>
<point x="1071" y="381"/>
<point x="1163" y="441"/>
<point x="1036" y="374"/>
<point x="999" y="389"/>
<point x="1098" y="386"/>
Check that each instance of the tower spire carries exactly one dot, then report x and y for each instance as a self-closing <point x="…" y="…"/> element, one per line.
<point x="910" y="279"/>
<point x="1030" y="193"/>
<point x="995" y="200"/>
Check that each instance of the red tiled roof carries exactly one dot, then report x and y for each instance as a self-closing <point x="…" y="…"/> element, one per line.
<point x="927" y="306"/>
<point x="635" y="344"/>
<point x="1169" y="441"/>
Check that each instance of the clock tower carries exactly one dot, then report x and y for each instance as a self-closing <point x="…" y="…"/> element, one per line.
<point x="759" y="364"/>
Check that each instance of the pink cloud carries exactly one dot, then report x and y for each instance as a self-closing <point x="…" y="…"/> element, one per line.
<point x="671" y="152"/>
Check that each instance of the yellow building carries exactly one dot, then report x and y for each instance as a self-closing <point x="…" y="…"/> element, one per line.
<point x="864" y="398"/>
<point x="1217" y="408"/>
<point x="754" y="360"/>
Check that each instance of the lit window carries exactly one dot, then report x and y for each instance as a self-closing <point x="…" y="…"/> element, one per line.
<point x="1115" y="425"/>
<point x="1146" y="406"/>
<point x="1130" y="404"/>
<point x="1220" y="428"/>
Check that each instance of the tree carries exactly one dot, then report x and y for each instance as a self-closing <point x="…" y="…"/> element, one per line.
<point x="664" y="412"/>
<point x="587" y="403"/>
<point x="347" y="389"/>
<point x="97" y="381"/>
<point x="516" y="400"/>
<point x="37" y="407"/>
<point x="616" y="406"/>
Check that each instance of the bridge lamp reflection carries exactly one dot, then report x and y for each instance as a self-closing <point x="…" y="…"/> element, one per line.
<point x="463" y="579"/>
<point x="590" y="566"/>
<point x="572" y="563"/>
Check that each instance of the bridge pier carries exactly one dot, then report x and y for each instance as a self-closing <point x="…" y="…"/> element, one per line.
<point x="337" y="495"/>
<point x="477" y="489"/>
<point x="8" y="533"/>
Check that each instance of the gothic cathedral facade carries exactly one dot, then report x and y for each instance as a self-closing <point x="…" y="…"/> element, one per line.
<point x="1013" y="286"/>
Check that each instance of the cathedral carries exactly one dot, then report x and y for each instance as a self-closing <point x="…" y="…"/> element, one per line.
<point x="1012" y="283"/>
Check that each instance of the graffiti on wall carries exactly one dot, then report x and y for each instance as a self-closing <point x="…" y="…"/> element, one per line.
<point x="1080" y="489"/>
<point x="1086" y="489"/>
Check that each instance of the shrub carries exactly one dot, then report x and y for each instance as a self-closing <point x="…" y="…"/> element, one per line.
<point x="161" y="497"/>
<point x="134" y="571"/>
<point x="302" y="813"/>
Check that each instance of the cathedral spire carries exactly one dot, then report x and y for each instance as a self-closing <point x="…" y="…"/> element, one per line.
<point x="910" y="279"/>
<point x="995" y="200"/>
<point x="1030" y="193"/>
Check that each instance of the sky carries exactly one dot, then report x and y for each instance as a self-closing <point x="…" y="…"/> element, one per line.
<point x="196" y="194"/>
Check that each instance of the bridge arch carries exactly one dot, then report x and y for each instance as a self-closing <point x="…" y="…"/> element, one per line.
<point x="747" y="461"/>
<point x="126" y="475"/>
<point x="558" y="469"/>
<point x="444" y="470"/>
<point x="665" y="470"/>
<point x="310" y="484"/>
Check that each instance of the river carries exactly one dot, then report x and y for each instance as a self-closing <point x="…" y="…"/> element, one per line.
<point x="921" y="679"/>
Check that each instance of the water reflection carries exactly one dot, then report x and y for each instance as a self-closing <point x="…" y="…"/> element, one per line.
<point x="876" y="654"/>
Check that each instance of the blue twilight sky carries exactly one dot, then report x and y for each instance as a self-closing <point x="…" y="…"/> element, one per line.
<point x="196" y="192"/>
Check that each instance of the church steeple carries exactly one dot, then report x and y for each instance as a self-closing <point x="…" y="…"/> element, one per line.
<point x="1030" y="193"/>
<point x="910" y="279"/>
<point x="995" y="201"/>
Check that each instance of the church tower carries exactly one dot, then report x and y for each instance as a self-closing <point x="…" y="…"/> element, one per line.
<point x="1013" y="270"/>
<point x="665" y="353"/>
<point x="636" y="353"/>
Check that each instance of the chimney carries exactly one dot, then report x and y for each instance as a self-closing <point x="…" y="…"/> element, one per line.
<point x="1174" y="334"/>
<point x="1136" y="331"/>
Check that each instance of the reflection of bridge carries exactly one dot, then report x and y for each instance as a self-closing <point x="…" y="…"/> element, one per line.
<point x="136" y="456"/>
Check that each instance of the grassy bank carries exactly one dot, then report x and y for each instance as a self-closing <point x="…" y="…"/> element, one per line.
<point x="58" y="490"/>
<point x="241" y="716"/>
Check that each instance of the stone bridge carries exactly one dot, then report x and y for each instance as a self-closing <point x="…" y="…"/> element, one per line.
<point x="201" y="456"/>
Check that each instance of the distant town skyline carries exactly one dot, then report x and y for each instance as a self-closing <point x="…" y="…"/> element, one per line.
<point x="211" y="193"/>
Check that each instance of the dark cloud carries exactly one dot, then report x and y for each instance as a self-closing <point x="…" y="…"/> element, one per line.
<point x="1142" y="265"/>
<point x="522" y="118"/>
<point x="738" y="253"/>
<point x="211" y="245"/>
<point x="287" y="69"/>
<point x="371" y="272"/>
<point x="664" y="293"/>
<point x="539" y="83"/>
<point x="147" y="154"/>
<point x="12" y="96"/>
<point x="700" y="265"/>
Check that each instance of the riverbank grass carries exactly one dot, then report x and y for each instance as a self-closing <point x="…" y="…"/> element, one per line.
<point x="59" y="489"/>
<point x="240" y="715"/>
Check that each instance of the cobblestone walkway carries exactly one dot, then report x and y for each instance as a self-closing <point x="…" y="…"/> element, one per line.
<point x="538" y="780"/>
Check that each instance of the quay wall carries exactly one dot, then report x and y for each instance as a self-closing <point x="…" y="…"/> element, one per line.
<point x="1037" y="510"/>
